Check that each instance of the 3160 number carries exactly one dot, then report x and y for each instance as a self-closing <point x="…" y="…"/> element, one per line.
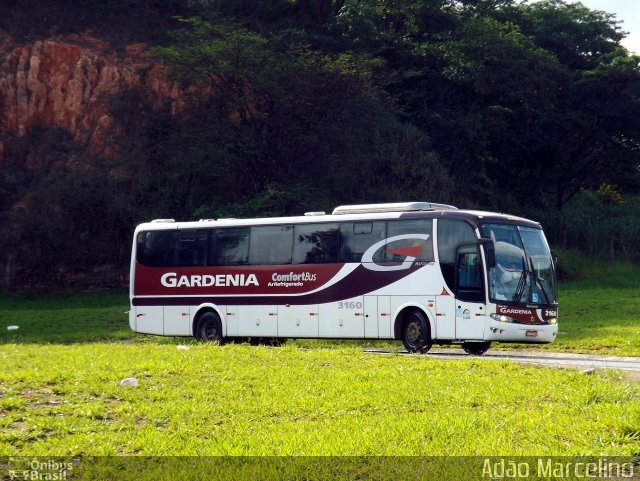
<point x="350" y="305"/>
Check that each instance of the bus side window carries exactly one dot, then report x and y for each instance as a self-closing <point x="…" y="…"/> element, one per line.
<point x="315" y="243"/>
<point x="357" y="237"/>
<point x="187" y="248"/>
<point x="469" y="285"/>
<point x="231" y="247"/>
<point x="152" y="248"/>
<point x="411" y="226"/>
<point x="271" y="244"/>
<point x="451" y="233"/>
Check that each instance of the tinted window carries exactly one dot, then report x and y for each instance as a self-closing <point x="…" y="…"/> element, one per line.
<point x="175" y="248"/>
<point x="315" y="243"/>
<point x="469" y="286"/>
<point x="153" y="247"/>
<point x="271" y="244"/>
<point x="414" y="226"/>
<point x="188" y="248"/>
<point x="231" y="247"/>
<point x="451" y="233"/>
<point x="357" y="237"/>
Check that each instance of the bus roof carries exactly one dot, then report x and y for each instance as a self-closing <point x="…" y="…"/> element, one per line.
<point x="362" y="212"/>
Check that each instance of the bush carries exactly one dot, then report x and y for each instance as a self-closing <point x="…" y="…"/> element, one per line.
<point x="602" y="225"/>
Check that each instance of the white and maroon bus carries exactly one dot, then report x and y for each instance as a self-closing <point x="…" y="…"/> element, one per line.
<point x="418" y="272"/>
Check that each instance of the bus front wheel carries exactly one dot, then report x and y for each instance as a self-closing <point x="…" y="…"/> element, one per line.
<point x="209" y="328"/>
<point x="415" y="333"/>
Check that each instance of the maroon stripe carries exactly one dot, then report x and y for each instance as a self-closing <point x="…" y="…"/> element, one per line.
<point x="359" y="282"/>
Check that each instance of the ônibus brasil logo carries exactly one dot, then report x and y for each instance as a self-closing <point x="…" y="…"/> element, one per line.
<point x="410" y="252"/>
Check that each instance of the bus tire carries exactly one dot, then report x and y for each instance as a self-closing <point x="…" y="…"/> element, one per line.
<point x="476" y="348"/>
<point x="416" y="336"/>
<point x="209" y="328"/>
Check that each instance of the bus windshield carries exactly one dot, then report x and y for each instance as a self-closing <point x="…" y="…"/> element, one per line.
<point x="524" y="271"/>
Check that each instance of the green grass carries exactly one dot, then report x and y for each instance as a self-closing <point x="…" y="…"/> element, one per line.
<point x="80" y="318"/>
<point x="601" y="320"/>
<point x="244" y="400"/>
<point x="60" y="393"/>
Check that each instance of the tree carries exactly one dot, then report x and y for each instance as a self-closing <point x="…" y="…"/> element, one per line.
<point x="590" y="136"/>
<point x="524" y="103"/>
<point x="289" y="118"/>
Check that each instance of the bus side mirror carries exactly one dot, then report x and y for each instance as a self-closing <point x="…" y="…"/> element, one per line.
<point x="489" y="251"/>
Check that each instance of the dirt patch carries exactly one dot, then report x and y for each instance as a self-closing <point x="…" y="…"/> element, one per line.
<point x="633" y="376"/>
<point x="42" y="398"/>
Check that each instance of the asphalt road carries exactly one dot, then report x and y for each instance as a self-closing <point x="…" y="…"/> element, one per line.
<point x="551" y="359"/>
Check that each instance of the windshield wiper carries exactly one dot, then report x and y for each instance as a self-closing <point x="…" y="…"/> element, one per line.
<point x="538" y="279"/>
<point x="522" y="283"/>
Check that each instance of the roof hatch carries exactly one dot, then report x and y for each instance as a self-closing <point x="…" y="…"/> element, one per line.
<point x="393" y="207"/>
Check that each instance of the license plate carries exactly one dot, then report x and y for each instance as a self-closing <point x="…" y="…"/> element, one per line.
<point x="532" y="333"/>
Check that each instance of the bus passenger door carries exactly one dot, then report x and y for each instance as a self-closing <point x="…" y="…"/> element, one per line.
<point x="342" y="319"/>
<point x="470" y="308"/>
<point x="470" y="319"/>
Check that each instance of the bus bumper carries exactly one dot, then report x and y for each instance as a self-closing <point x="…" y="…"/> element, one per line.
<point x="521" y="333"/>
<point x="132" y="318"/>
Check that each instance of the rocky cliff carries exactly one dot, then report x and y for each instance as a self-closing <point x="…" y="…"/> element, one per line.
<point x="71" y="82"/>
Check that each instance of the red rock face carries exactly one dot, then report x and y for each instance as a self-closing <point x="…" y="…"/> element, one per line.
<point x="69" y="82"/>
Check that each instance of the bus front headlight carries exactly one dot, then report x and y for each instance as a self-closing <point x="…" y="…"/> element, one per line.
<point x="501" y="318"/>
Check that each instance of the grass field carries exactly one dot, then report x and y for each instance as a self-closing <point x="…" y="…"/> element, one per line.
<point x="64" y="399"/>
<point x="60" y="393"/>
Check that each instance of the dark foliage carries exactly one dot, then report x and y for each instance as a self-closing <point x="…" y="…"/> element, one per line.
<point x="121" y="21"/>
<point x="530" y="109"/>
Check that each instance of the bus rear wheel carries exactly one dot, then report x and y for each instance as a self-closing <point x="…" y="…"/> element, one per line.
<point x="476" y="348"/>
<point x="209" y="328"/>
<point x="415" y="333"/>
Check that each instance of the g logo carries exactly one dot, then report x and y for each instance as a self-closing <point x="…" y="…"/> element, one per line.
<point x="410" y="253"/>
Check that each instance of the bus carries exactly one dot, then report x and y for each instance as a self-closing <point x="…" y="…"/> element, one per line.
<point x="418" y="272"/>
